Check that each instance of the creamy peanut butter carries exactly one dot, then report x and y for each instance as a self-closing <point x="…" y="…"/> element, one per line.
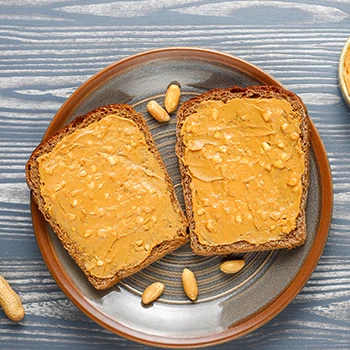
<point x="245" y="161"/>
<point x="108" y="192"/>
<point x="346" y="71"/>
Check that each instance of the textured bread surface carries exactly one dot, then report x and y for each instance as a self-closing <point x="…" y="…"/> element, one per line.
<point x="34" y="182"/>
<point x="292" y="239"/>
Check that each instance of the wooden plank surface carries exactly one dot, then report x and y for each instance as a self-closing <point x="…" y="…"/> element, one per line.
<point x="50" y="47"/>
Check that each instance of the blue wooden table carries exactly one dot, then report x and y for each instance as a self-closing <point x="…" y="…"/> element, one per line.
<point x="50" y="47"/>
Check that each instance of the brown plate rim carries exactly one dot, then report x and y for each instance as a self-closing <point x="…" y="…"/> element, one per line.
<point x="254" y="321"/>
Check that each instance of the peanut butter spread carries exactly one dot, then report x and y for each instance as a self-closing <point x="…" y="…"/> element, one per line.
<point x="107" y="191"/>
<point x="245" y="161"/>
<point x="346" y="71"/>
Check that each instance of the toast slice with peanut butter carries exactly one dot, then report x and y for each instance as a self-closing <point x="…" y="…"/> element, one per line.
<point x="244" y="160"/>
<point x="101" y="184"/>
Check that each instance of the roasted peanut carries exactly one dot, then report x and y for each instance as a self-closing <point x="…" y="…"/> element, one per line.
<point x="232" y="266"/>
<point x="172" y="96"/>
<point x="10" y="301"/>
<point x="189" y="283"/>
<point x="152" y="292"/>
<point x="157" y="112"/>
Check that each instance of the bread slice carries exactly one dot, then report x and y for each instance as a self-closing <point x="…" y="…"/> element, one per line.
<point x="295" y="236"/>
<point x="177" y="228"/>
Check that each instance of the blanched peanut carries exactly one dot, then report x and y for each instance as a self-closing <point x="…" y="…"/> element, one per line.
<point x="157" y="112"/>
<point x="10" y="301"/>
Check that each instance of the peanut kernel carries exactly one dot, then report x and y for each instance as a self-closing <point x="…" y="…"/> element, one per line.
<point x="267" y="115"/>
<point x="285" y="156"/>
<point x="284" y="127"/>
<point x="232" y="266"/>
<point x="189" y="283"/>
<point x="239" y="218"/>
<point x="266" y="146"/>
<point x="91" y="185"/>
<point x="227" y="210"/>
<point x="292" y="181"/>
<point x="172" y="97"/>
<point x="294" y="136"/>
<point x="296" y="188"/>
<point x="70" y="216"/>
<point x="88" y="233"/>
<point x="157" y="112"/>
<point x="102" y="232"/>
<point x="200" y="211"/>
<point x="83" y="173"/>
<point x="100" y="263"/>
<point x="275" y="215"/>
<point x="112" y="160"/>
<point x="278" y="164"/>
<point x="139" y="242"/>
<point x="75" y="192"/>
<point x="152" y="292"/>
<point x="217" y="135"/>
<point x="73" y="203"/>
<point x="281" y="144"/>
<point x="223" y="149"/>
<point x="147" y="247"/>
<point x="210" y="224"/>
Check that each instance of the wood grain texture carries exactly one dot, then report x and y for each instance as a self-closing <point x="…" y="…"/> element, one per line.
<point x="50" y="47"/>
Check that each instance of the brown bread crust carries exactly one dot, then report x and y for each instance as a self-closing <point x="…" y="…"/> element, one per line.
<point x="33" y="180"/>
<point x="292" y="239"/>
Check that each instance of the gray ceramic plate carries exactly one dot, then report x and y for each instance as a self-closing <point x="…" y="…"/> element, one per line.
<point x="228" y="306"/>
